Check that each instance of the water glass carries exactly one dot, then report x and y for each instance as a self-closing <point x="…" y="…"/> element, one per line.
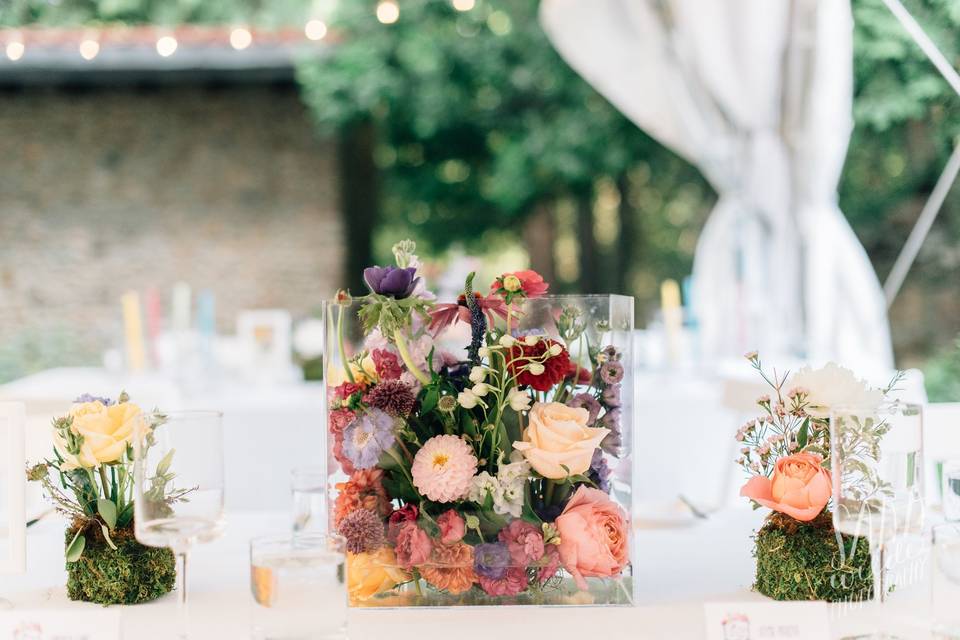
<point x="309" y="499"/>
<point x="946" y="580"/>
<point x="951" y="490"/>
<point x="298" y="583"/>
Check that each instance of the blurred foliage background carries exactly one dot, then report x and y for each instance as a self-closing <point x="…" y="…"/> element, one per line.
<point x="465" y="130"/>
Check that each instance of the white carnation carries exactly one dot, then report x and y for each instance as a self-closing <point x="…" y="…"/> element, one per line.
<point x="834" y="386"/>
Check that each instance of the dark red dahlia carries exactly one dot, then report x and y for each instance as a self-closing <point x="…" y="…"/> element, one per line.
<point x="555" y="367"/>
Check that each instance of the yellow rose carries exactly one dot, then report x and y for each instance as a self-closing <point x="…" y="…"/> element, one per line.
<point x="105" y="431"/>
<point x="558" y="435"/>
<point x="371" y="573"/>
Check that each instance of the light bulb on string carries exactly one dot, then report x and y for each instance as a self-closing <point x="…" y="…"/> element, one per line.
<point x="464" y="5"/>
<point x="15" y="49"/>
<point x="388" y="11"/>
<point x="315" y="29"/>
<point x="240" y="38"/>
<point x="89" y="48"/>
<point x="166" y="45"/>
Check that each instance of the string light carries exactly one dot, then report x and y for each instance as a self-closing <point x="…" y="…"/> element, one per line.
<point x="315" y="29"/>
<point x="388" y="11"/>
<point x="89" y="48"/>
<point x="166" y="45"/>
<point x="240" y="38"/>
<point x="15" y="50"/>
<point x="464" y="5"/>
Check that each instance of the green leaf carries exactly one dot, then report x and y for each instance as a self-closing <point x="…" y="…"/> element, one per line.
<point x="803" y="434"/>
<point x="76" y="547"/>
<point x="106" y="536"/>
<point x="164" y="465"/>
<point x="430" y="399"/>
<point x="107" y="511"/>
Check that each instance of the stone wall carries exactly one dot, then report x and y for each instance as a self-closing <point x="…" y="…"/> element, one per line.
<point x="103" y="190"/>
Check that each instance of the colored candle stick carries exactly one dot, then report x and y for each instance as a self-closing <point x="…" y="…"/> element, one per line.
<point x="12" y="427"/>
<point x="154" y="314"/>
<point x="181" y="306"/>
<point x="133" y="331"/>
<point x="672" y="309"/>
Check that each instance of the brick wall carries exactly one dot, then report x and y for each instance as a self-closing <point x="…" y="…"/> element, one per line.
<point x="104" y="190"/>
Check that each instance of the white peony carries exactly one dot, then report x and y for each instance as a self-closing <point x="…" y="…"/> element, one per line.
<point x="834" y="386"/>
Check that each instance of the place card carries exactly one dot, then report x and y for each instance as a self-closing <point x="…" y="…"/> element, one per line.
<point x="767" y="620"/>
<point x="47" y="624"/>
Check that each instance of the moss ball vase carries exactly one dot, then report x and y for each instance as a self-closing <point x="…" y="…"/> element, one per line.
<point x="803" y="561"/>
<point x="130" y="574"/>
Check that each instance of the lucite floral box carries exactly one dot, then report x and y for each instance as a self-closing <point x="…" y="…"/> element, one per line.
<point x="479" y="453"/>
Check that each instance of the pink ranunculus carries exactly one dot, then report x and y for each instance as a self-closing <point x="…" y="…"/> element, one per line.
<point x="593" y="536"/>
<point x="452" y="527"/>
<point x="800" y="487"/>
<point x="524" y="541"/>
<point x="413" y="545"/>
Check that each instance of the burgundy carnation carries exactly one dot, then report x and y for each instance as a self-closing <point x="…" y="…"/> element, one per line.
<point x="555" y="368"/>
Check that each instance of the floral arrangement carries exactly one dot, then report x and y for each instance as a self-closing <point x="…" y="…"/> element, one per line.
<point x="90" y="481"/>
<point x="786" y="452"/>
<point x="483" y="473"/>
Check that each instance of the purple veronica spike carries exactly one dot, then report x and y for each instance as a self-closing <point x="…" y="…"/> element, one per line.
<point x="391" y="281"/>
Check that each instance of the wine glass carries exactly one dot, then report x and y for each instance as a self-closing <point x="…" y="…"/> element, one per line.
<point x="178" y="500"/>
<point x="877" y="469"/>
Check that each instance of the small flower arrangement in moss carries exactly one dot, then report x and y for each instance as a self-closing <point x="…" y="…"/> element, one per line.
<point x="786" y="451"/>
<point x="90" y="481"/>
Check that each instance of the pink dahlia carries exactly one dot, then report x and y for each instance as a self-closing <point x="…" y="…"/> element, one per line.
<point x="443" y="468"/>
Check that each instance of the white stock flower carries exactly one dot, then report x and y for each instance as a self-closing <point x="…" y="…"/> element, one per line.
<point x="483" y="352"/>
<point x="555" y="349"/>
<point x="530" y="340"/>
<point x="518" y="400"/>
<point x="834" y="386"/>
<point x="507" y="340"/>
<point x="535" y="368"/>
<point x="477" y="374"/>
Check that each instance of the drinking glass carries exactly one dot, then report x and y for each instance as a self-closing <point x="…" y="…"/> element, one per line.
<point x="951" y="490"/>
<point x="309" y="485"/>
<point x="298" y="584"/>
<point x="877" y="471"/>
<point x="179" y="455"/>
<point x="946" y="580"/>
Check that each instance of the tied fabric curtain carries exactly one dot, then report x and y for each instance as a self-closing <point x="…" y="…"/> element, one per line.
<point x="758" y="95"/>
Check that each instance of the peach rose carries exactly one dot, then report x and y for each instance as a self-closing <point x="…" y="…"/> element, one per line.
<point x="799" y="487"/>
<point x="558" y="442"/>
<point x="593" y="536"/>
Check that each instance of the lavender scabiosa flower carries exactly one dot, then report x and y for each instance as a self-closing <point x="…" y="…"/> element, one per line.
<point x="611" y="372"/>
<point x="611" y="395"/>
<point x="491" y="560"/>
<point x="393" y="397"/>
<point x="588" y="402"/>
<point x="391" y="281"/>
<point x="599" y="471"/>
<point x="363" y="531"/>
<point x="367" y="437"/>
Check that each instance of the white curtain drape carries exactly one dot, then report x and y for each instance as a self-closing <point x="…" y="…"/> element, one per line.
<point x="757" y="94"/>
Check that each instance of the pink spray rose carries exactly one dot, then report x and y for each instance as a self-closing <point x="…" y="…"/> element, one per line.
<point x="593" y="536"/>
<point x="452" y="527"/>
<point x="413" y="545"/>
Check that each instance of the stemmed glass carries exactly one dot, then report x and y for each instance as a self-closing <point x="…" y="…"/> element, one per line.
<point x="178" y="500"/>
<point x="877" y="471"/>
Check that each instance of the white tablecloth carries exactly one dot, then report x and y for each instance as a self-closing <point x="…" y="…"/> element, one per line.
<point x="678" y="570"/>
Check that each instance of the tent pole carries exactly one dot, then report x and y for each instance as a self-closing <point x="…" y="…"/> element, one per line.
<point x="919" y="233"/>
<point x="930" y="210"/>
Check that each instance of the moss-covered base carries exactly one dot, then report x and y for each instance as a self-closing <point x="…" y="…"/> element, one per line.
<point x="802" y="561"/>
<point x="131" y="574"/>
